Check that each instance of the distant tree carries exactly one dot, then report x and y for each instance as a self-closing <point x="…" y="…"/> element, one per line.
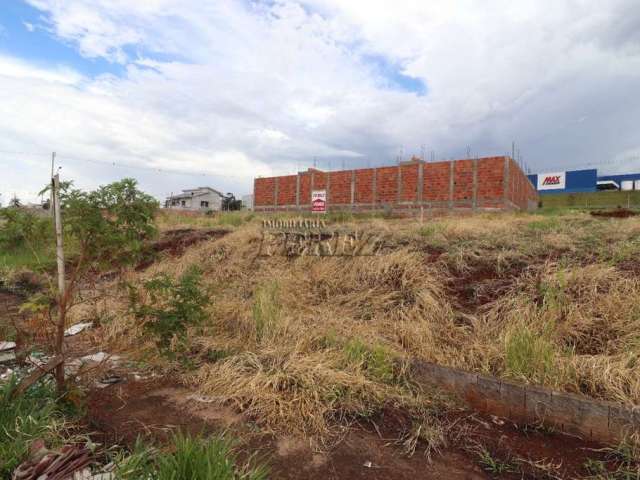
<point x="229" y="202"/>
<point x="20" y="228"/>
<point x="15" y="202"/>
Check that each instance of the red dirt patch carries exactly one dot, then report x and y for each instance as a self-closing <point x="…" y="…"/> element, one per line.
<point x="177" y="241"/>
<point x="153" y="408"/>
<point x="482" y="285"/>
<point x="120" y="413"/>
<point x="617" y="213"/>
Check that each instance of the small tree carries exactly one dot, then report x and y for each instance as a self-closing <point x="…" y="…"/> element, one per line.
<point x="109" y="227"/>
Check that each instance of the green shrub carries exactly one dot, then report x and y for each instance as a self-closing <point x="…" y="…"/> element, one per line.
<point x="173" y="306"/>
<point x="20" y="229"/>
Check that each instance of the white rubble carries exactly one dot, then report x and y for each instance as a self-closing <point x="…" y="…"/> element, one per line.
<point x="77" y="328"/>
<point x="7" y="346"/>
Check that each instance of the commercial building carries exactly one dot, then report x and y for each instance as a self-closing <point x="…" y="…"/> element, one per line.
<point x="576" y="181"/>
<point x="490" y="183"/>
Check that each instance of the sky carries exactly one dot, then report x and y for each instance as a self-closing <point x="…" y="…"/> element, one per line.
<point x="187" y="93"/>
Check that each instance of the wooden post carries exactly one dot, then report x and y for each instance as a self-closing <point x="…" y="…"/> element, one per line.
<point x="62" y="300"/>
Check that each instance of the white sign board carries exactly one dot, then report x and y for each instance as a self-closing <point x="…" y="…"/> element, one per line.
<point x="319" y="201"/>
<point x="552" y="181"/>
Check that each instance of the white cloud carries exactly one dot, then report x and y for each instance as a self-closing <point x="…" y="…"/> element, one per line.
<point x="12" y="68"/>
<point x="253" y="88"/>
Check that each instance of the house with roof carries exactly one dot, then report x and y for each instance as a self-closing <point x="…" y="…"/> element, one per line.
<point x="196" y="199"/>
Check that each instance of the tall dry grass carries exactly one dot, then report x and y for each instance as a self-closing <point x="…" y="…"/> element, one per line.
<point x="306" y="343"/>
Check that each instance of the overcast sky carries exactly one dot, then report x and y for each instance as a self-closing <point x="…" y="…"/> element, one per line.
<point x="236" y="89"/>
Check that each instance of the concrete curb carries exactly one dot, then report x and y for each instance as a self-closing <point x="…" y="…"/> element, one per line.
<point x="605" y="422"/>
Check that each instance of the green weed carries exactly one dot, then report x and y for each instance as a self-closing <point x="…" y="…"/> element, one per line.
<point x="189" y="458"/>
<point x="35" y="414"/>
<point x="529" y="355"/>
<point x="494" y="465"/>
<point x="543" y="226"/>
<point x="376" y="360"/>
<point x="234" y="219"/>
<point x="266" y="309"/>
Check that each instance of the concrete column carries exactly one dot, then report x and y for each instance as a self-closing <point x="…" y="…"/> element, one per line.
<point x="353" y="188"/>
<point x="452" y="182"/>
<point x="275" y="192"/>
<point x="420" y="189"/>
<point x="475" y="184"/>
<point x="374" y="187"/>
<point x="399" y="185"/>
<point x="328" y="186"/>
<point x="505" y="183"/>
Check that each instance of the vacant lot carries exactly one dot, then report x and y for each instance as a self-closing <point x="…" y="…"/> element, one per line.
<point x="310" y="353"/>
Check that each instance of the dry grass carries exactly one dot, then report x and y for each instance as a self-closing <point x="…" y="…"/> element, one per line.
<point x="308" y="343"/>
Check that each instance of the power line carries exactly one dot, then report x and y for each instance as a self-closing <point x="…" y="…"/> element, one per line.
<point x="119" y="164"/>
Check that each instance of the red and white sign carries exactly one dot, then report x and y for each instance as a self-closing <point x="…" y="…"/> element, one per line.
<point x="552" y="181"/>
<point x="319" y="201"/>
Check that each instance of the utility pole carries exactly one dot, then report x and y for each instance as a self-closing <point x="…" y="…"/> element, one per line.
<point x="62" y="298"/>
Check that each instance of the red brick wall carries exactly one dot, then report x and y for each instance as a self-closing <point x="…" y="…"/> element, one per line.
<point x="319" y="180"/>
<point x="489" y="189"/>
<point x="490" y="182"/>
<point x="305" y="188"/>
<point x="364" y="185"/>
<point x="387" y="185"/>
<point x="287" y="190"/>
<point x="264" y="191"/>
<point x="521" y="191"/>
<point x="463" y="180"/>
<point x="436" y="182"/>
<point x="339" y="187"/>
<point x="409" y="189"/>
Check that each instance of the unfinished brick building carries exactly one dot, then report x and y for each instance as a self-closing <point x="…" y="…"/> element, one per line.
<point x="468" y="184"/>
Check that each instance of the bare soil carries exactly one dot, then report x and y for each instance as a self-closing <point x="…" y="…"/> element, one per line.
<point x="9" y="303"/>
<point x="371" y="449"/>
<point x="617" y="213"/>
<point x="177" y="241"/>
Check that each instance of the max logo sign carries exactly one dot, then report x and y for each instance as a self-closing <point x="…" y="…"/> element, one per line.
<point x="552" y="181"/>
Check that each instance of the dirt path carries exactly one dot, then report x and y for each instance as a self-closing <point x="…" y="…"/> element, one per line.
<point x="153" y="408"/>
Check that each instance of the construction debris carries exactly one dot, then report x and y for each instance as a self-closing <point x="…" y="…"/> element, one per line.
<point x="7" y="356"/>
<point x="36" y="375"/>
<point x="54" y="465"/>
<point x="4" y="346"/>
<point x="98" y="357"/>
<point x="77" y="328"/>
